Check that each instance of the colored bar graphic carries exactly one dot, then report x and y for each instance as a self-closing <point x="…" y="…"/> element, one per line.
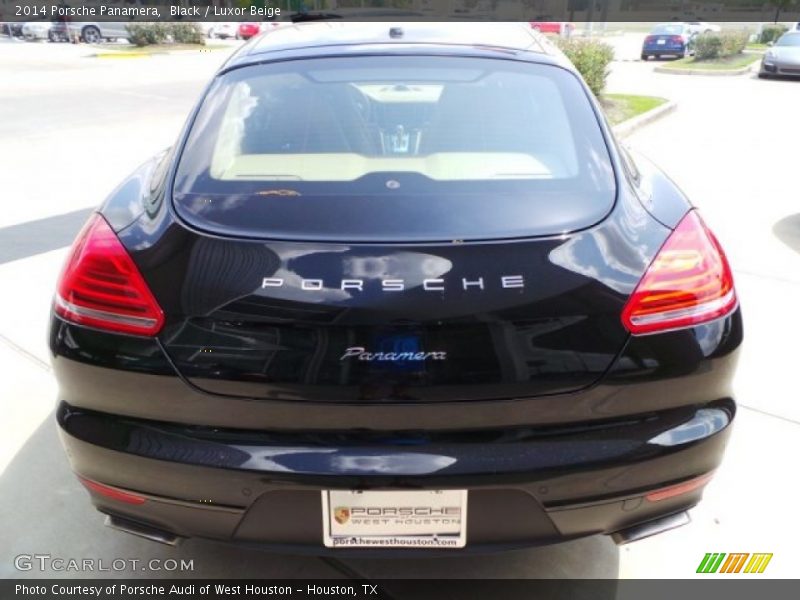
<point x="712" y="561"/>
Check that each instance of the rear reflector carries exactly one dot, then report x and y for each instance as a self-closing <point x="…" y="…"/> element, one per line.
<point x="681" y="488"/>
<point x="689" y="282"/>
<point x="101" y="287"/>
<point x="112" y="493"/>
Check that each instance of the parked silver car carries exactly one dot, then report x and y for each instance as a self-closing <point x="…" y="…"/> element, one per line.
<point x="223" y="31"/>
<point x="93" y="32"/>
<point x="36" y="30"/>
<point x="703" y="27"/>
<point x="783" y="57"/>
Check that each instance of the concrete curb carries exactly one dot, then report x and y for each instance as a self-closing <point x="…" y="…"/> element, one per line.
<point x="626" y="128"/>
<point x="724" y="73"/>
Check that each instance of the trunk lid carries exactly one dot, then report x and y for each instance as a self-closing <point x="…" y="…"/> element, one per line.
<point x="338" y="323"/>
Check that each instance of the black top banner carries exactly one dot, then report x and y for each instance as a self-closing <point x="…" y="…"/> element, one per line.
<point x="403" y="10"/>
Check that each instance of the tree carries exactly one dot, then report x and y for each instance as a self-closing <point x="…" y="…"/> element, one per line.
<point x="782" y="5"/>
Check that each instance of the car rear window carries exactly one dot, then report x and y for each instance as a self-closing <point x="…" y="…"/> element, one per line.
<point x="668" y="29"/>
<point x="447" y="138"/>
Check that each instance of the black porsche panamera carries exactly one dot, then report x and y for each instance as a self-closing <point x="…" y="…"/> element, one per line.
<point x="397" y="289"/>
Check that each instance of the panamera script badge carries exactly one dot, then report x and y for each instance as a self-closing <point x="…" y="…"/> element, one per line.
<point x="360" y="353"/>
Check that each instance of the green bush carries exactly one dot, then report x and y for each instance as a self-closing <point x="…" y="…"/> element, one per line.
<point x="186" y="33"/>
<point x="719" y="45"/>
<point x="707" y="45"/>
<point x="591" y="58"/>
<point x="770" y="33"/>
<point x="734" y="42"/>
<point x="144" y="34"/>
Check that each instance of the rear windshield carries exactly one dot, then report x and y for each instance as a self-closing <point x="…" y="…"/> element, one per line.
<point x="668" y="29"/>
<point x="395" y="148"/>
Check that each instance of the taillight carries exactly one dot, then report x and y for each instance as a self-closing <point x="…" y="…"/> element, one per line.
<point x="689" y="282"/>
<point x="649" y="39"/>
<point x="112" y="492"/>
<point x="681" y="488"/>
<point x="676" y="38"/>
<point x="101" y="287"/>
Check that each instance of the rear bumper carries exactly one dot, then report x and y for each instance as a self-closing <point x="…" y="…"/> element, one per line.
<point x="545" y="487"/>
<point x="538" y="470"/>
<point x="662" y="51"/>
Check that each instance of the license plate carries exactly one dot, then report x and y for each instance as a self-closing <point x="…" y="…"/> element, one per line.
<point x="662" y="42"/>
<point x="394" y="519"/>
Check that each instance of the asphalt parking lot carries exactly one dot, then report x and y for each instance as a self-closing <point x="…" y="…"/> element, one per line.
<point x="72" y="126"/>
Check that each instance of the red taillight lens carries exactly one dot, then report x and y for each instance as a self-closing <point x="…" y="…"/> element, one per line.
<point x="676" y="38"/>
<point x="681" y="488"/>
<point x="101" y="287"/>
<point x="650" y="38"/>
<point x="689" y="282"/>
<point x="111" y="492"/>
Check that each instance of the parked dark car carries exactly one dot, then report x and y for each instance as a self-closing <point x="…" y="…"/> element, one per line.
<point x="408" y="296"/>
<point x="669" y="39"/>
<point x="12" y="29"/>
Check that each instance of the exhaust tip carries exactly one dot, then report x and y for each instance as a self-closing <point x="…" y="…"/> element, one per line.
<point x="650" y="528"/>
<point x="148" y="532"/>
